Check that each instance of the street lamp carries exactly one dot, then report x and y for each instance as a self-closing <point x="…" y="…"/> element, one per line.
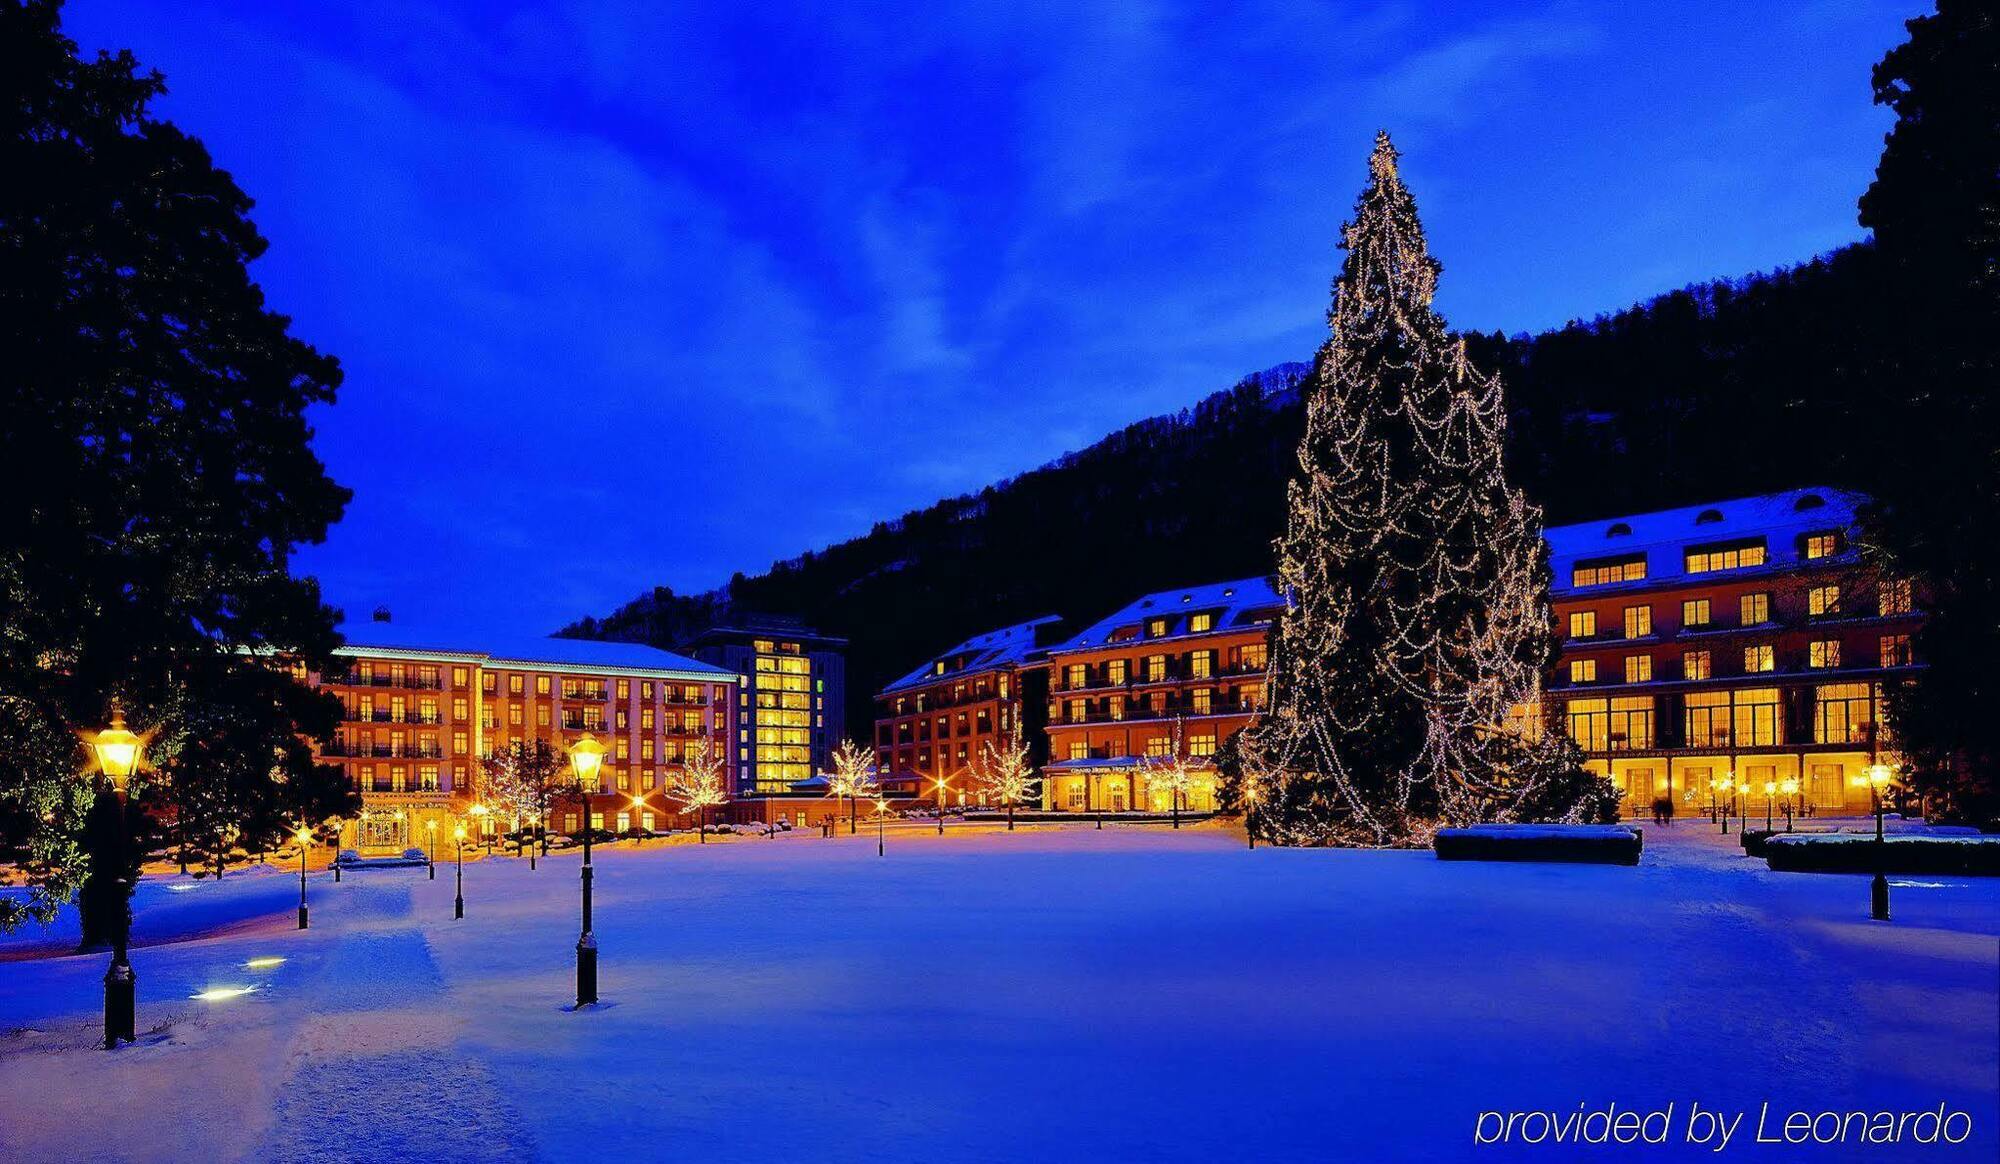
<point x="1723" y="784"/>
<point x="638" y="803"/>
<point x="1250" y="812"/>
<point x="1878" y="892"/>
<point x="304" y="839"/>
<point x="881" y="820"/>
<point x="940" y="801"/>
<point x="586" y="756"/>
<point x="479" y="813"/>
<point x="119" y="753"/>
<point x="1770" y="790"/>
<point x="431" y="847"/>
<point x="458" y="904"/>
<point x="1791" y="790"/>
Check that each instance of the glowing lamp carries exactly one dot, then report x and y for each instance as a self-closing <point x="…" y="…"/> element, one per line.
<point x="1770" y="786"/>
<point x="1878" y="774"/>
<point x="304" y="836"/>
<point x="458" y="831"/>
<point x="431" y="825"/>
<point x="1790" y="787"/>
<point x="118" y="750"/>
<point x="479" y="810"/>
<point x="586" y="756"/>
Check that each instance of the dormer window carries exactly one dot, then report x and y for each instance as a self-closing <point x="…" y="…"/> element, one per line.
<point x="1156" y="628"/>
<point x="1618" y="530"/>
<point x="1603" y="571"/>
<point x="1809" y="501"/>
<point x="1819" y="545"/>
<point x="1708" y="517"/>
<point x="1198" y="623"/>
<point x="1725" y="556"/>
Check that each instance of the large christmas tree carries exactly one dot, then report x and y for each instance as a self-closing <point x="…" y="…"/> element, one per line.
<point x="1417" y="621"/>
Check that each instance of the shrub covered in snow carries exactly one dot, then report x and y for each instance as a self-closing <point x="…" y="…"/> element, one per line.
<point x="1977" y="856"/>
<point x="1585" y="844"/>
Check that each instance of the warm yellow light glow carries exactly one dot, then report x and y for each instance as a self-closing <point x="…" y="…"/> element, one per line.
<point x="1790" y="787"/>
<point x="431" y="825"/>
<point x="458" y="831"/>
<point x="1878" y="774"/>
<point x="1770" y="786"/>
<point x="586" y="756"/>
<point x="221" y="993"/>
<point x="638" y="802"/>
<point x="479" y="810"/>
<point x="303" y="836"/>
<point x="117" y="749"/>
<point x="264" y="963"/>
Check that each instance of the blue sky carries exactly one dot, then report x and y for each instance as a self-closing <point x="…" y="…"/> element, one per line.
<point x="645" y="294"/>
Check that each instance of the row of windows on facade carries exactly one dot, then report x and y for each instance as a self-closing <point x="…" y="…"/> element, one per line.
<point x="397" y="778"/>
<point x="1892" y="598"/>
<point x="1739" y="554"/>
<point x="1202" y="743"/>
<point x="982" y="687"/>
<point x="1821" y="654"/>
<point x="590" y="717"/>
<point x="1204" y="664"/>
<point x="1824" y="785"/>
<point x="1243" y="699"/>
<point x="1843" y="713"/>
<point x="368" y="673"/>
<point x="963" y="724"/>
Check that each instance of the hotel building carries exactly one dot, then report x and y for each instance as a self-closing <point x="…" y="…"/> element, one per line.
<point x="935" y="723"/>
<point x="792" y="680"/>
<point x="1172" y="674"/>
<point x="419" y="717"/>
<point x="1745" y="639"/>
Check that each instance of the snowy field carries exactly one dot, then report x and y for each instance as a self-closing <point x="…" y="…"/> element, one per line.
<point x="1053" y="994"/>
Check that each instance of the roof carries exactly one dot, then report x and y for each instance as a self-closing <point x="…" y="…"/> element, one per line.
<point x="751" y="629"/>
<point x="1006" y="647"/>
<point x="1664" y="536"/>
<point x="1237" y="605"/>
<point x="529" y="652"/>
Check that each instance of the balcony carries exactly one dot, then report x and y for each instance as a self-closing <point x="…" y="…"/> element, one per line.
<point x="409" y="682"/>
<point x="572" y="721"/>
<point x="387" y="715"/>
<point x="420" y="750"/>
<point x="1177" y="710"/>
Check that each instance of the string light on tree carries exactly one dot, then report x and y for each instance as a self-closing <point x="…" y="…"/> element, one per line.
<point x="700" y="785"/>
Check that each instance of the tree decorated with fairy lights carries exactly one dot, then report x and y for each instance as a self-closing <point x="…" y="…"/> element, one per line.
<point x="852" y="778"/>
<point x="1005" y="773"/>
<point x="1416" y="585"/>
<point x="700" y="785"/>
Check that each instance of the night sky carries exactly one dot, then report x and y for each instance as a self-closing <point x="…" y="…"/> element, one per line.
<point x="634" y="299"/>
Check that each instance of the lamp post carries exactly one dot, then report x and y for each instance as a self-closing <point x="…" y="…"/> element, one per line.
<point x="940" y="802"/>
<point x="118" y="755"/>
<point x="586" y="756"/>
<point x="1791" y="790"/>
<point x="881" y="822"/>
<point x="458" y="903"/>
<point x="532" y="829"/>
<point x="1878" y="891"/>
<point x="479" y="813"/>
<point x="1250" y="813"/>
<point x="1770" y="790"/>
<point x="431" y="848"/>
<point x="304" y="839"/>
<point x="638" y="803"/>
<point x="1723" y="785"/>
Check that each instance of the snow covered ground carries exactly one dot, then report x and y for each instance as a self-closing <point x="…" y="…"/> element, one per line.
<point x="1058" y="993"/>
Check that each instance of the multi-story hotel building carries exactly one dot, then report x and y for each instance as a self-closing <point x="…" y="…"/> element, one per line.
<point x="789" y="701"/>
<point x="1745" y="639"/>
<point x="1172" y="674"/>
<point x="420" y="716"/>
<point x="934" y="723"/>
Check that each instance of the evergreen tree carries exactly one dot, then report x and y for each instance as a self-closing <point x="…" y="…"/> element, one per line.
<point x="1415" y="579"/>
<point x="157" y="470"/>
<point x="1931" y="455"/>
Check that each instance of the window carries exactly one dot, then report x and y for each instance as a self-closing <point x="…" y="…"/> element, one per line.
<point x="1823" y="653"/>
<point x="1583" y="670"/>
<point x="427" y="777"/>
<point x="542" y="714"/>
<point x="1727" y="556"/>
<point x="1582" y="624"/>
<point x="1075" y="709"/>
<point x="1695" y="613"/>
<point x="624" y="690"/>
<point x="461" y="709"/>
<point x="1892" y="595"/>
<point x="1697" y="665"/>
<point x="514" y="715"/>
<point x="1197" y="623"/>
<point x="1159" y="746"/>
<point x="541" y="685"/>
<point x="1589" y="724"/>
<point x="514" y="684"/>
<point x="1114" y="672"/>
<point x="1821" y="545"/>
<point x="460" y="677"/>
<point x="1753" y="609"/>
<point x="1079" y="750"/>
<point x="1638" y="668"/>
<point x="1638" y="621"/>
<point x="1754" y="718"/>
<point x="1252" y="656"/>
<point x="1201" y="664"/>
<point x="1603" y="571"/>
<point x="1706" y="716"/>
<point x="1896" y="650"/>
<point x="1631" y="723"/>
<point x="1156" y="668"/>
<point x="1843" y="713"/>
<point x="1759" y="659"/>
<point x="1201" y="745"/>
<point x="1156" y="628"/>
<point x="1822" y="601"/>
<point x="459" y="743"/>
<point x="1202" y="700"/>
<point x="1077" y="675"/>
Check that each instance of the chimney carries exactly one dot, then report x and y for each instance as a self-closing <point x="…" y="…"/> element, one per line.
<point x="381" y="614"/>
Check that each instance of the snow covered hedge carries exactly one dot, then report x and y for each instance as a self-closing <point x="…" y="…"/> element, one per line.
<point x="1976" y="856"/>
<point x="1587" y="844"/>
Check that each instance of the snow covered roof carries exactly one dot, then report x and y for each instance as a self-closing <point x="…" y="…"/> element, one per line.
<point x="1663" y="537"/>
<point x="529" y="652"/>
<point x="1236" y="605"/>
<point x="1008" y="646"/>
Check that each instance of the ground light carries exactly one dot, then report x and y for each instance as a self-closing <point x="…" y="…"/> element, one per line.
<point x="119" y="753"/>
<point x="264" y="963"/>
<point x="305" y="840"/>
<point x="222" y="993"/>
<point x="586" y="756"/>
<point x="458" y="836"/>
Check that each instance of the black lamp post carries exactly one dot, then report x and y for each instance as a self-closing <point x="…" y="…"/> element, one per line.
<point x="458" y="904"/>
<point x="118" y="755"/>
<point x="1878" y="890"/>
<point x="940" y="803"/>
<point x="881" y="821"/>
<point x="586" y="756"/>
<point x="1770" y="788"/>
<point x="431" y="848"/>
<point x="305" y="839"/>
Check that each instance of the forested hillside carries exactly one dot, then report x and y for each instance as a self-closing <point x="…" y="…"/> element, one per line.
<point x="1707" y="392"/>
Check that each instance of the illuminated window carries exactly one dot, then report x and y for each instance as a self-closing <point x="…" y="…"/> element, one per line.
<point x="514" y="684"/>
<point x="1823" y="653"/>
<point x="1754" y="717"/>
<point x="1823" y="600"/>
<point x="1697" y="665"/>
<point x="1843" y="713"/>
<point x="514" y="715"/>
<point x="1582" y="624"/>
<point x="1156" y="668"/>
<point x="1896" y="650"/>
<point x="1603" y="571"/>
<point x="461" y="709"/>
<point x="1583" y="670"/>
<point x="1695" y="613"/>
<point x="1251" y="656"/>
<point x="1893" y="595"/>
<point x="1822" y="545"/>
<point x="1638" y="621"/>
<point x="1759" y="659"/>
<point x="1730" y="556"/>
<point x="1589" y="724"/>
<point x="1156" y="628"/>
<point x="1201" y="745"/>
<point x="541" y="685"/>
<point x="459" y="743"/>
<point x="1078" y="675"/>
<point x="1159" y="746"/>
<point x="1201" y="664"/>
<point x="1197" y="623"/>
<point x="1638" y="668"/>
<point x="1706" y="715"/>
<point x="460" y="677"/>
<point x="1079" y="749"/>
<point x="1202" y="700"/>
<point x="1753" y="609"/>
